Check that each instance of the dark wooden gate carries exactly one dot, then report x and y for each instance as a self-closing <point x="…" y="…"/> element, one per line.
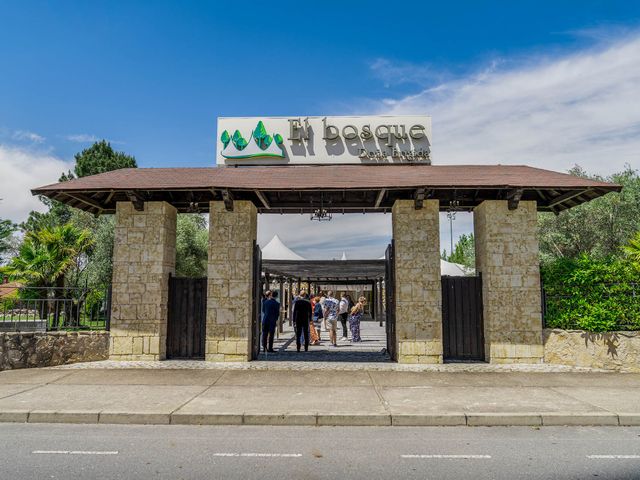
<point x="187" y="317"/>
<point x="256" y="313"/>
<point x="390" y="300"/>
<point x="462" y="328"/>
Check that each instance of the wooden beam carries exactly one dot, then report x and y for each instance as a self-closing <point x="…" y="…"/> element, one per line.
<point x="513" y="197"/>
<point x="85" y="200"/>
<point x="263" y="199"/>
<point x="419" y="198"/>
<point x="227" y="198"/>
<point x="567" y="196"/>
<point x="137" y="200"/>
<point x="380" y="197"/>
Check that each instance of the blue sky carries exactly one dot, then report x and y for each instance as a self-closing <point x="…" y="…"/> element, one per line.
<point x="153" y="76"/>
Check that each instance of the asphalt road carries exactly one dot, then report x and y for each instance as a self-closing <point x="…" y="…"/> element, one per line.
<point x="39" y="451"/>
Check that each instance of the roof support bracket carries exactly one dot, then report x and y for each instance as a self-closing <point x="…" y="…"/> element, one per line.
<point x="227" y="198"/>
<point x="513" y="198"/>
<point x="419" y="198"/>
<point x="263" y="198"/>
<point x="135" y="198"/>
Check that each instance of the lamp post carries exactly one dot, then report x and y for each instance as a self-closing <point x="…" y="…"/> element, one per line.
<point x="451" y="215"/>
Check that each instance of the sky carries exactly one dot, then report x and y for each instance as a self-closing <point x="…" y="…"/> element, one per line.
<point x="545" y="83"/>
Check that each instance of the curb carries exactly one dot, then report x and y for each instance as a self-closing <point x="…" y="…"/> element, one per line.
<point x="335" y="420"/>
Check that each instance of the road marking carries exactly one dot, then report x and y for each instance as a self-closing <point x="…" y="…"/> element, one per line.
<point x="614" y="456"/>
<point x="73" y="452"/>
<point x="282" y="455"/>
<point x="447" y="456"/>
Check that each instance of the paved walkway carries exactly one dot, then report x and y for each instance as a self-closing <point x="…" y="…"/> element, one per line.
<point x="318" y="397"/>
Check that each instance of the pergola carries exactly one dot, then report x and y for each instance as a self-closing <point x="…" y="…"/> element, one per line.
<point x="337" y="188"/>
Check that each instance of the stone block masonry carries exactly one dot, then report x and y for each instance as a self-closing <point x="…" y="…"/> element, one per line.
<point x="507" y="258"/>
<point x="31" y="350"/>
<point x="229" y="292"/>
<point x="416" y="235"/>
<point x="144" y="255"/>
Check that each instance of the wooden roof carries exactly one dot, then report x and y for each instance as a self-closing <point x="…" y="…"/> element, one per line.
<point x="345" y="271"/>
<point x="339" y="188"/>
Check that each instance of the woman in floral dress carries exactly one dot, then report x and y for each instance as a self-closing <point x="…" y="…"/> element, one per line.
<point x="354" y="319"/>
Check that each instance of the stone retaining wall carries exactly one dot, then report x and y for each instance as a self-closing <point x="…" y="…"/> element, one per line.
<point x="35" y="349"/>
<point x="610" y="350"/>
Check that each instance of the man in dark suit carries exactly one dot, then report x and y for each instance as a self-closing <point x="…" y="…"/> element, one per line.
<point x="270" y="314"/>
<point x="302" y="313"/>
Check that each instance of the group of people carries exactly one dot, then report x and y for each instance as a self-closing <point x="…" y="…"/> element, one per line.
<point x="311" y="316"/>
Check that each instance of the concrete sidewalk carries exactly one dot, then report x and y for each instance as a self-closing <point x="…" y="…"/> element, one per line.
<point x="318" y="397"/>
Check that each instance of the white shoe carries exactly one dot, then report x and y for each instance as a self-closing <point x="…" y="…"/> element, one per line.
<point x="344" y="338"/>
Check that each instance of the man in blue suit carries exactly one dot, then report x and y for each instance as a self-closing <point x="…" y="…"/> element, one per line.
<point x="270" y="314"/>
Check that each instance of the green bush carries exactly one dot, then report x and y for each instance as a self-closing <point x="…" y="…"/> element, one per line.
<point x="592" y="295"/>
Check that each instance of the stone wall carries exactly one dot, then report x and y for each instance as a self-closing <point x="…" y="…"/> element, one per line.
<point x="229" y="291"/>
<point x="144" y="255"/>
<point x="507" y="257"/>
<point x="30" y="349"/>
<point x="416" y="236"/>
<point x="609" y="350"/>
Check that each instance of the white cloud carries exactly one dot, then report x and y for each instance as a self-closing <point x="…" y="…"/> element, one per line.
<point x="82" y="138"/>
<point x="580" y="108"/>
<point x="20" y="170"/>
<point x="24" y="135"/>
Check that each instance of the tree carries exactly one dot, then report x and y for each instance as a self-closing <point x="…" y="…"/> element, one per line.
<point x="101" y="158"/>
<point x="47" y="255"/>
<point x="598" y="228"/>
<point x="192" y="239"/>
<point x="6" y="231"/>
<point x="464" y="251"/>
<point x="632" y="249"/>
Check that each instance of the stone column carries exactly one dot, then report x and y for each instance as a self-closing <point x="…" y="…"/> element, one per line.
<point x="507" y="258"/>
<point x="229" y="292"/>
<point x="416" y="236"/>
<point x="144" y="254"/>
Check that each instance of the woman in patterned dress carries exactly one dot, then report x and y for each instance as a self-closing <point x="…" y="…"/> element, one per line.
<point x="354" y="319"/>
<point x="314" y="334"/>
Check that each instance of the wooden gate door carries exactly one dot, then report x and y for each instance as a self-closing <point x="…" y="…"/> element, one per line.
<point x="187" y="317"/>
<point x="462" y="328"/>
<point x="256" y="313"/>
<point x="390" y="300"/>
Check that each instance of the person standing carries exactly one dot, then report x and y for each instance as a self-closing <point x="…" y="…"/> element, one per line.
<point x="270" y="314"/>
<point x="354" y="319"/>
<point x="343" y="311"/>
<point x="330" y="309"/>
<point x="318" y="315"/>
<point x="302" y="318"/>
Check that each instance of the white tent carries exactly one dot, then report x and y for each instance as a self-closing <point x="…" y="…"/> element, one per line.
<point x="344" y="256"/>
<point x="451" y="269"/>
<point x="276" y="250"/>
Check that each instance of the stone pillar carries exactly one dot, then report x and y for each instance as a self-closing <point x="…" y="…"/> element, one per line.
<point x="144" y="254"/>
<point x="416" y="236"/>
<point x="507" y="258"/>
<point x="229" y="291"/>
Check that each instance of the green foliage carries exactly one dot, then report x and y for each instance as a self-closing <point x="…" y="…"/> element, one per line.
<point x="278" y="139"/>
<point x="225" y="138"/>
<point x="593" y="295"/>
<point x="192" y="239"/>
<point x="464" y="251"/>
<point x="598" y="228"/>
<point x="47" y="255"/>
<point x="6" y="231"/>
<point x="632" y="249"/>
<point x="101" y="158"/>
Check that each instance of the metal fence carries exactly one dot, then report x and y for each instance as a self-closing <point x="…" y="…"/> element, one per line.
<point x="54" y="308"/>
<point x="599" y="306"/>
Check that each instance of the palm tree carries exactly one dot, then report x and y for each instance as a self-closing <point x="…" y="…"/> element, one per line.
<point x="632" y="249"/>
<point x="46" y="256"/>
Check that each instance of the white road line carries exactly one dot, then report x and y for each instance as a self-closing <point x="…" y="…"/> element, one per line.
<point x="269" y="455"/>
<point x="447" y="456"/>
<point x="73" y="452"/>
<point x="614" y="456"/>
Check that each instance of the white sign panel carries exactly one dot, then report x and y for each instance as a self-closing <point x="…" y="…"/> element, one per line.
<point x="323" y="140"/>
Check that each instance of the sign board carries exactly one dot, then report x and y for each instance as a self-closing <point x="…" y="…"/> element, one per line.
<point x="323" y="140"/>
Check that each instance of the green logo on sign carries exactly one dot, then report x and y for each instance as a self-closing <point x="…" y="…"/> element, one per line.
<point x="260" y="144"/>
